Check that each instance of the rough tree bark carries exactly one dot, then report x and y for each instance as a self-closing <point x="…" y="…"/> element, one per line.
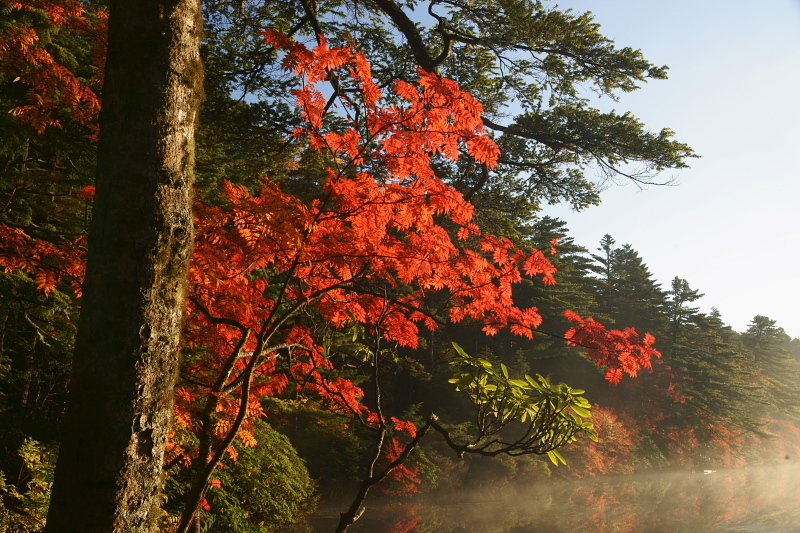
<point x="108" y="473"/>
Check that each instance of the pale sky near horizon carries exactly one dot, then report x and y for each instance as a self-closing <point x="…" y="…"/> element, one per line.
<point x="731" y="225"/>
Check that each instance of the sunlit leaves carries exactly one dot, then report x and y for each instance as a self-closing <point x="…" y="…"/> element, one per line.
<point x="53" y="89"/>
<point x="552" y="414"/>
<point x="385" y="237"/>
<point x="380" y="219"/>
<point x="620" y="351"/>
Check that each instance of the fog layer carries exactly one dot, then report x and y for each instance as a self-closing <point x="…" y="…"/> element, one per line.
<point x="763" y="499"/>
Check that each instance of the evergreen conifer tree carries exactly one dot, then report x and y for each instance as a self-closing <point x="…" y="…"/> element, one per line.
<point x="715" y="379"/>
<point x="778" y="370"/>
<point x="625" y="290"/>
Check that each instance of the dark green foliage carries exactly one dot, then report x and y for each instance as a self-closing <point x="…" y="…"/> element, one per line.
<point x="42" y="172"/>
<point x="246" y="118"/>
<point x="541" y="58"/>
<point x="793" y="347"/>
<point x="332" y="446"/>
<point x="24" y="500"/>
<point x="547" y="352"/>
<point x="715" y="378"/>
<point x="36" y="336"/>
<point x="678" y="311"/>
<point x="512" y="55"/>
<point x="266" y="488"/>
<point x="572" y="278"/>
<point x="529" y="65"/>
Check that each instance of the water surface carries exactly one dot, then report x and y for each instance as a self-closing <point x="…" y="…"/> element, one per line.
<point x="764" y="499"/>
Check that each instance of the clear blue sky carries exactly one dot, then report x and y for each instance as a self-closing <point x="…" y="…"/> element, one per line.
<point x="731" y="225"/>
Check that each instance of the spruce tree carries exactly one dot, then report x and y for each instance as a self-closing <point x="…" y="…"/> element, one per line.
<point x="625" y="290"/>
<point x="779" y="372"/>
<point x="713" y="376"/>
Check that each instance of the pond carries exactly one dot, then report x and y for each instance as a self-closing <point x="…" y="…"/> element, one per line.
<point x="763" y="499"/>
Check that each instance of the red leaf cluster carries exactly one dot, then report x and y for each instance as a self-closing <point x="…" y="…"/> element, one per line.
<point x="405" y="479"/>
<point x="52" y="86"/>
<point x="621" y="351"/>
<point x="372" y="251"/>
<point x="372" y="229"/>
<point x="610" y="455"/>
<point x="49" y="263"/>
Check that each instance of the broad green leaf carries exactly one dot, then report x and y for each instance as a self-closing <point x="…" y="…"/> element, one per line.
<point x="583" y="402"/>
<point x="555" y="457"/>
<point x="585" y="413"/>
<point x="459" y="350"/>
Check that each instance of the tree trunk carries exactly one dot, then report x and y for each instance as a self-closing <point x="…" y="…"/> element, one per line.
<point x="108" y="474"/>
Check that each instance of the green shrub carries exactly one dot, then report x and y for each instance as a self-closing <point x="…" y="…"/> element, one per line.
<point x="267" y="488"/>
<point x="23" y="507"/>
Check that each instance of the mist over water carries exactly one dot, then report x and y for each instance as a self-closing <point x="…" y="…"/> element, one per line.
<point x="755" y="499"/>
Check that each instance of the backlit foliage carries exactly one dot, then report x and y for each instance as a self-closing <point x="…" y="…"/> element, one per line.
<point x="53" y="89"/>
<point x="621" y="352"/>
